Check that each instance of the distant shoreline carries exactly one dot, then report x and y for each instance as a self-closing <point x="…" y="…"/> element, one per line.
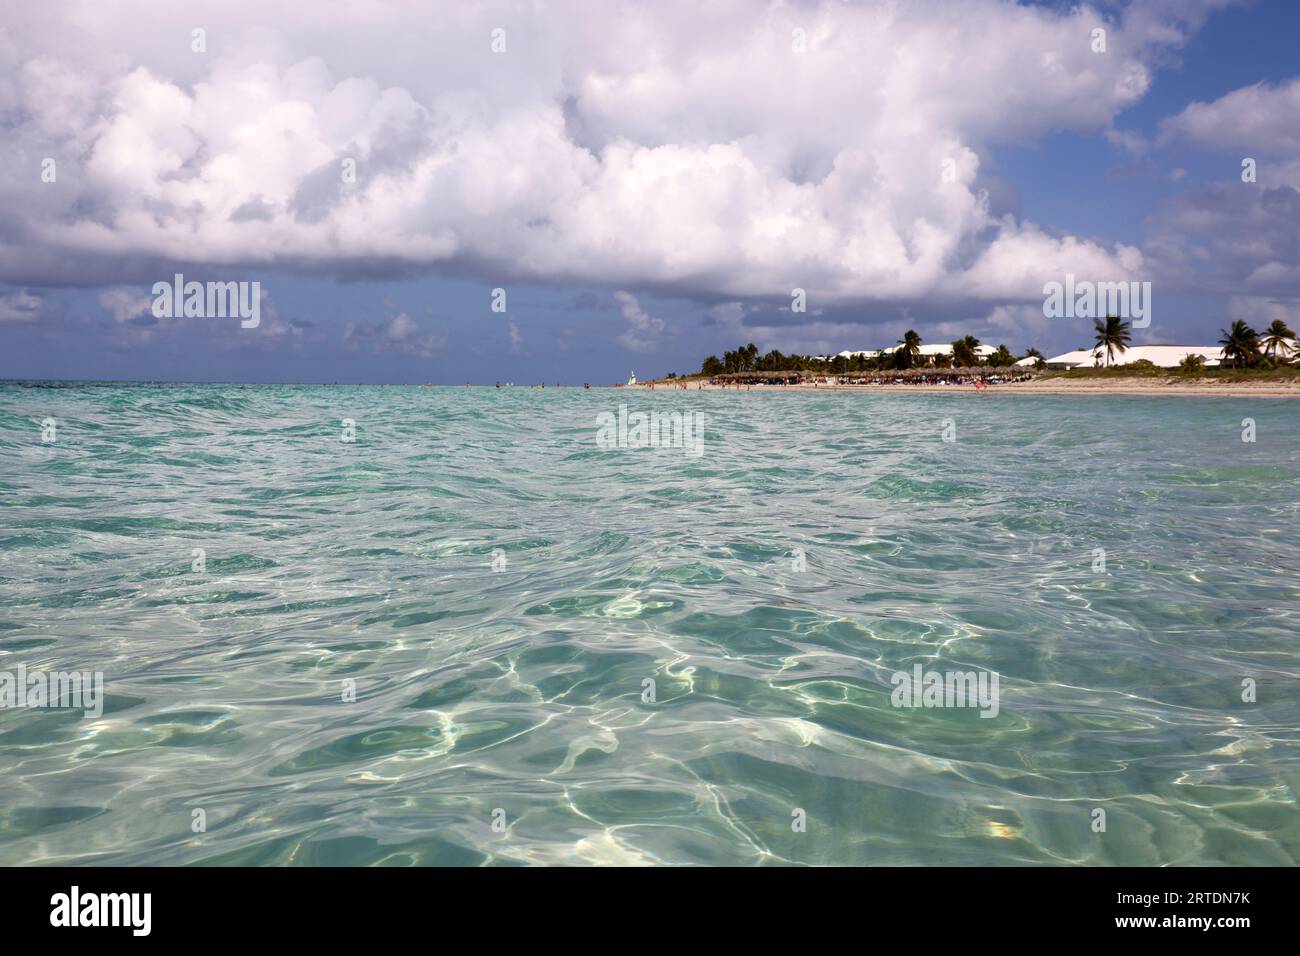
<point x="1201" y="388"/>
<point x="1050" y="386"/>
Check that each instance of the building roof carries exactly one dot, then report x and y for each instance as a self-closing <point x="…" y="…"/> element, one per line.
<point x="1165" y="356"/>
<point x="926" y="350"/>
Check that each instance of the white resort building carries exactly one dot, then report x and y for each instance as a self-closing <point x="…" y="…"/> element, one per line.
<point x="924" y="351"/>
<point x="1164" y="356"/>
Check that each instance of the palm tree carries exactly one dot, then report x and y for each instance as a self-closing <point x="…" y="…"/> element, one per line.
<point x="1113" y="336"/>
<point x="1240" y="344"/>
<point x="1276" y="337"/>
<point x="1037" y="356"/>
<point x="963" y="351"/>
<point x="1002" y="357"/>
<point x="1192" y="363"/>
<point x="910" y="345"/>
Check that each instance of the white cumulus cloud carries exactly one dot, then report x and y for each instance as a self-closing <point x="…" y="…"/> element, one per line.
<point x="644" y="331"/>
<point x="676" y="146"/>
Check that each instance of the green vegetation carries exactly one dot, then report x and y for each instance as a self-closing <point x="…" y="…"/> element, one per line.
<point x="908" y="350"/>
<point x="1002" y="357"/>
<point x="1240" y="345"/>
<point x="1278" y="340"/>
<point x="1247" y="357"/>
<point x="963" y="351"/>
<point x="906" y="355"/>
<point x="1145" y="370"/>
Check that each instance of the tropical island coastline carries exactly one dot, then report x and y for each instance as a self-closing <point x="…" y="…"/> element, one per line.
<point x="1243" y="362"/>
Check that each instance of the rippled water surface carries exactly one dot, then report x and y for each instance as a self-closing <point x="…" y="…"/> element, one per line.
<point x="769" y="588"/>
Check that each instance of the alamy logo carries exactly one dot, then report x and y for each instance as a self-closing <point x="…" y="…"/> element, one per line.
<point x="923" y="688"/>
<point x="211" y="300"/>
<point x="82" y="690"/>
<point x="103" y="909"/>
<point x="1097" y="300"/>
<point x="651" y="430"/>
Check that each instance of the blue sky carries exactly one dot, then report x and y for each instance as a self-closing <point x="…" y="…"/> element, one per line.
<point x="640" y="215"/>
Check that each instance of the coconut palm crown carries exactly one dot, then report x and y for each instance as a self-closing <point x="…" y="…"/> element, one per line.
<point x="910" y="343"/>
<point x="1113" y="336"/>
<point x="1276" y="339"/>
<point x="963" y="351"/>
<point x="1240" y="344"/>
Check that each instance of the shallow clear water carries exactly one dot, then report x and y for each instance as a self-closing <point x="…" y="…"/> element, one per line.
<point x="521" y="689"/>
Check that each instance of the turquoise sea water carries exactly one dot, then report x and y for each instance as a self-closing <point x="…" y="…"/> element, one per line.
<point x="769" y="588"/>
